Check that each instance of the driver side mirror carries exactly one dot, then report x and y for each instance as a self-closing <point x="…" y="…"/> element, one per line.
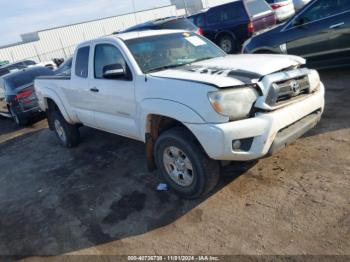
<point x="300" y="21"/>
<point x="114" y="71"/>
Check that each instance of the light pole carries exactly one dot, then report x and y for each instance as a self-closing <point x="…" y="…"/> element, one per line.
<point x="134" y="7"/>
<point x="185" y="5"/>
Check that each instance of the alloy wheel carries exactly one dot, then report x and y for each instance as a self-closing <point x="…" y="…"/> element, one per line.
<point x="178" y="166"/>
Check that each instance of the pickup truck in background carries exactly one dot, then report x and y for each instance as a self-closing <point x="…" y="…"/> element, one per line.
<point x="190" y="103"/>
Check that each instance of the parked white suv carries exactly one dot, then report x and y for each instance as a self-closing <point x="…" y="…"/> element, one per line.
<point x="299" y="4"/>
<point x="190" y="103"/>
<point x="284" y="9"/>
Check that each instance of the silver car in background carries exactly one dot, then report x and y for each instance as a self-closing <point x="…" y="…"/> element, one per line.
<point x="283" y="8"/>
<point x="299" y="4"/>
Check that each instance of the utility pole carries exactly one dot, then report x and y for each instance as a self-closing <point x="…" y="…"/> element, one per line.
<point x="186" y="8"/>
<point x="64" y="51"/>
<point x="36" y="52"/>
<point x="134" y="8"/>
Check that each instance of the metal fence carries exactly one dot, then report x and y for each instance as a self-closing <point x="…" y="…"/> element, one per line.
<point x="60" y="42"/>
<point x="64" y="52"/>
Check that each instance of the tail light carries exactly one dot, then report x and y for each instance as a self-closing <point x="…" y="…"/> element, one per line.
<point x="26" y="97"/>
<point x="200" y="31"/>
<point x="25" y="93"/>
<point x="276" y="6"/>
<point x="251" y="29"/>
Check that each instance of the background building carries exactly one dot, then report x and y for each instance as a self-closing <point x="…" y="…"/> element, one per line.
<point x="61" y="41"/>
<point x="190" y="6"/>
<point x="194" y="6"/>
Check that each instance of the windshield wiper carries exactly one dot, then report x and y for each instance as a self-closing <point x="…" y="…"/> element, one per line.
<point x="202" y="59"/>
<point x="164" y="68"/>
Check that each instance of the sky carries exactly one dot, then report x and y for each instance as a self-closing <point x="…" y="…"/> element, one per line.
<point x="25" y="16"/>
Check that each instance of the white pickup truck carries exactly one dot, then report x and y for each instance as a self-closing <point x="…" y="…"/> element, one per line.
<point x="191" y="104"/>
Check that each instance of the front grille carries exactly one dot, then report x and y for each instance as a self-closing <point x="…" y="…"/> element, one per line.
<point x="288" y="90"/>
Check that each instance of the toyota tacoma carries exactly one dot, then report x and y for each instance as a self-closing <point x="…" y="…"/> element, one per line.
<point x="192" y="105"/>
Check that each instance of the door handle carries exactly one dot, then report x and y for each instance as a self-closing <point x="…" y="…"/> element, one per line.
<point x="337" y="25"/>
<point x="95" y="90"/>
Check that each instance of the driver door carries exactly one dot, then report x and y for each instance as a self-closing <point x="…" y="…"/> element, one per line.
<point x="115" y="106"/>
<point x="311" y="30"/>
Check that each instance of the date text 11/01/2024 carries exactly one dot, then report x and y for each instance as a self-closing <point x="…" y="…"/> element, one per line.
<point x="173" y="258"/>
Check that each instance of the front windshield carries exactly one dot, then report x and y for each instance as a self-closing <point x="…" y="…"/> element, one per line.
<point x="165" y="51"/>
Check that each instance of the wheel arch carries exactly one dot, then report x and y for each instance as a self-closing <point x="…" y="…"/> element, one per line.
<point x="223" y="33"/>
<point x="235" y="44"/>
<point x="156" y="125"/>
<point x="52" y="105"/>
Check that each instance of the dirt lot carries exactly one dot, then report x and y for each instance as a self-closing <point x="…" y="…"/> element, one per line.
<point x="99" y="198"/>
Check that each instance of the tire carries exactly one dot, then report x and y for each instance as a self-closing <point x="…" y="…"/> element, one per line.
<point x="18" y="120"/>
<point x="194" y="182"/>
<point x="67" y="134"/>
<point x="227" y="43"/>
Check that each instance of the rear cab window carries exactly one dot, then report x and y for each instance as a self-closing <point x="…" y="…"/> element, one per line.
<point x="257" y="7"/>
<point x="82" y="62"/>
<point x="225" y="13"/>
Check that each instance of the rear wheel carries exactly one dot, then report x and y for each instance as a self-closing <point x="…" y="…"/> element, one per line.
<point x="67" y="134"/>
<point x="184" y="165"/>
<point x="227" y="43"/>
<point x="18" y="120"/>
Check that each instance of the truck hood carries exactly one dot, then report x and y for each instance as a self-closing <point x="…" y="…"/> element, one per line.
<point x="231" y="70"/>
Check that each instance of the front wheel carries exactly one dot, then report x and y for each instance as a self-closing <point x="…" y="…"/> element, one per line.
<point x="184" y="165"/>
<point x="67" y="134"/>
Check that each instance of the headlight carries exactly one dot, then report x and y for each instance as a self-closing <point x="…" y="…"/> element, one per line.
<point x="314" y="80"/>
<point x="235" y="103"/>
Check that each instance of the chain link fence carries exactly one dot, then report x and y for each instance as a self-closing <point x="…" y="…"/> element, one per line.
<point x="64" y="52"/>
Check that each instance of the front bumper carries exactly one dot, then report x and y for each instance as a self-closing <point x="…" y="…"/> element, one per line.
<point x="269" y="132"/>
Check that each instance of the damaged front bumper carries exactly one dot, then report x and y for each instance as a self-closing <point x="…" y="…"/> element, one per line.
<point x="262" y="135"/>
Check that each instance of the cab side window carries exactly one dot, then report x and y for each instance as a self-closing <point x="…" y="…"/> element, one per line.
<point x="325" y="8"/>
<point x="200" y="21"/>
<point x="82" y="62"/>
<point x="107" y="54"/>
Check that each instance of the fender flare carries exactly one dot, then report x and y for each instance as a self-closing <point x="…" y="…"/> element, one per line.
<point x="53" y="95"/>
<point x="166" y="108"/>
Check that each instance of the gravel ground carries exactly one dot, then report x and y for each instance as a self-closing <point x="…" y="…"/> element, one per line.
<point x="99" y="198"/>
